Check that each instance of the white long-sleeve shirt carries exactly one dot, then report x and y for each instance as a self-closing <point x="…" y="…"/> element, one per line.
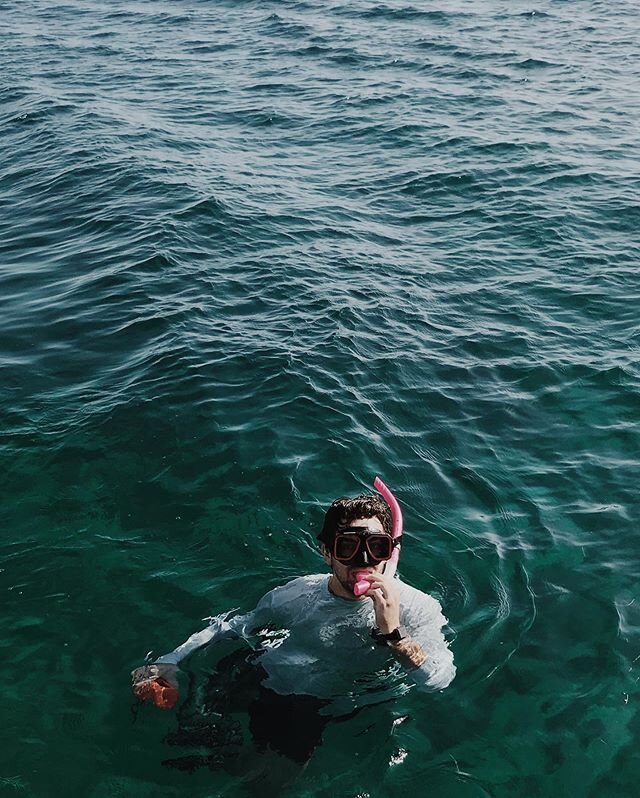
<point x="315" y="643"/>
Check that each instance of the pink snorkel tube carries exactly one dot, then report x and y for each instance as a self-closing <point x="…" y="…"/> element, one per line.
<point x="361" y="586"/>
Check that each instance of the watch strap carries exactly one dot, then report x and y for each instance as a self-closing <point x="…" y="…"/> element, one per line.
<point x="389" y="637"/>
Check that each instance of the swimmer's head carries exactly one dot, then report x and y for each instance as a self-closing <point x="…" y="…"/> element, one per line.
<point x="345" y="510"/>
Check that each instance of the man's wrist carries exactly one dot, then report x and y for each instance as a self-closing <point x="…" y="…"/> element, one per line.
<point x="387" y="625"/>
<point x="383" y="638"/>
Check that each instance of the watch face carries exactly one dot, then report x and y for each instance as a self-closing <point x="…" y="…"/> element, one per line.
<point x="386" y="638"/>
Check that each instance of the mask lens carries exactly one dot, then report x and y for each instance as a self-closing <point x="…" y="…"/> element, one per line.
<point x="346" y="546"/>
<point x="379" y="546"/>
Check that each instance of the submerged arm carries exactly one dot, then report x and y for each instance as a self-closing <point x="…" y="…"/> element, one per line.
<point x="424" y="621"/>
<point x="417" y="618"/>
<point x="388" y="610"/>
<point x="219" y="629"/>
<point x="158" y="681"/>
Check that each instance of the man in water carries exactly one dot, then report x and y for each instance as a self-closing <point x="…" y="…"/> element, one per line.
<point x="321" y="651"/>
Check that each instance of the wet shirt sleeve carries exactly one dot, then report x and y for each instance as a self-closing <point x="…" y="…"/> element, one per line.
<point x="224" y="626"/>
<point x="219" y="628"/>
<point x="422" y="619"/>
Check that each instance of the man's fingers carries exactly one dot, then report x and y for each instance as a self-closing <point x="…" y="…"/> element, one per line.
<point x="160" y="692"/>
<point x="143" y="690"/>
<point x="381" y="594"/>
<point x="155" y="671"/>
<point x="143" y="673"/>
<point x="378" y="584"/>
<point x="376" y="594"/>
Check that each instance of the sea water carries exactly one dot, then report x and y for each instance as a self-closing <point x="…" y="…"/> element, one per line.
<point x="253" y="254"/>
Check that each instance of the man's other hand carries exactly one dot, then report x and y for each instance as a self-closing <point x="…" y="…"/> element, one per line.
<point x="156" y="683"/>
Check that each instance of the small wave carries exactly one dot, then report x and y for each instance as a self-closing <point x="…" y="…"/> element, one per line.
<point x="408" y="12"/>
<point x="534" y="63"/>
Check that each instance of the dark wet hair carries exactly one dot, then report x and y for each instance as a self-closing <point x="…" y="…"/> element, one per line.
<point x="345" y="510"/>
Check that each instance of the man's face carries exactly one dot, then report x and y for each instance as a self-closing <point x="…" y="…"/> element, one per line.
<point x="345" y="573"/>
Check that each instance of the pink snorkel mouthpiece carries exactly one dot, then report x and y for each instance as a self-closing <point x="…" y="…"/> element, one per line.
<point x="362" y="585"/>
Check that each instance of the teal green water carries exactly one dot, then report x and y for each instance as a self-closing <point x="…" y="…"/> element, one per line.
<point x="252" y="254"/>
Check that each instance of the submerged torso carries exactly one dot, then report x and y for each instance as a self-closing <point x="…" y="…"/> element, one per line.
<point x="315" y="643"/>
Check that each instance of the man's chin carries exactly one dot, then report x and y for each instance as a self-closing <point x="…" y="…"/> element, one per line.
<point x="349" y="582"/>
<point x="349" y="577"/>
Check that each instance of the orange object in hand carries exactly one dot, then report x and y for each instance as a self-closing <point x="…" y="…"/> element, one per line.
<point x="158" y="691"/>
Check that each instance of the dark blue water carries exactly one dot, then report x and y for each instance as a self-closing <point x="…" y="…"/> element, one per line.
<point x="252" y="254"/>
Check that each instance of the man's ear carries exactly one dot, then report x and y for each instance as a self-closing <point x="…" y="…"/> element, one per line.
<point x="326" y="554"/>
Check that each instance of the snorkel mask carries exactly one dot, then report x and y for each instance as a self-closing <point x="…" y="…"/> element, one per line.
<point x="359" y="545"/>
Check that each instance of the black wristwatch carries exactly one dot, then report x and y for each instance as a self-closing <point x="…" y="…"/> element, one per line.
<point x="390" y="637"/>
